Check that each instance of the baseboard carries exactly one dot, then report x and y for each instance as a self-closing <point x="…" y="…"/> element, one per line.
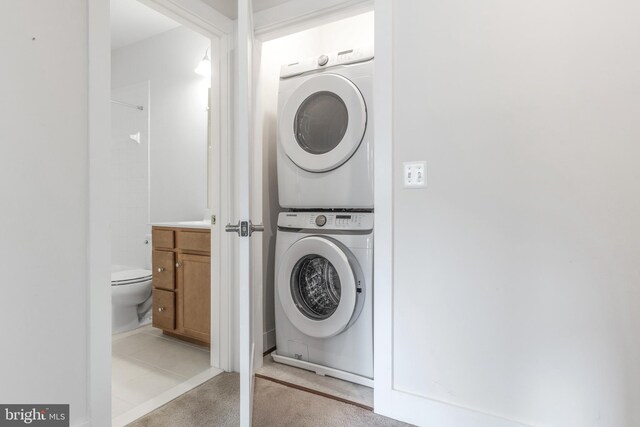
<point x="423" y="412"/>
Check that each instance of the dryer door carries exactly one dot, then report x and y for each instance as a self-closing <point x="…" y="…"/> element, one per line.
<point x="323" y="122"/>
<point x="317" y="287"/>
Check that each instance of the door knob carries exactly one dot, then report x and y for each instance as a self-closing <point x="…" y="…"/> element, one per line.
<point x="232" y="228"/>
<point x="243" y="228"/>
<point x="178" y="264"/>
<point x="161" y="309"/>
<point x="253" y="228"/>
<point x="160" y="269"/>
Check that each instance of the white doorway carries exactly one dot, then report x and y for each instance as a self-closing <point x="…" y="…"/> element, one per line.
<point x="280" y="45"/>
<point x="215" y="29"/>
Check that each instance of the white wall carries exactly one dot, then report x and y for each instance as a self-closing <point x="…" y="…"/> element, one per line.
<point x="516" y="271"/>
<point x="336" y="36"/>
<point x="130" y="177"/>
<point x="178" y="125"/>
<point x="44" y="215"/>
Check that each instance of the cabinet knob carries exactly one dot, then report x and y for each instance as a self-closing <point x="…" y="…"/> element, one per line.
<point x="161" y="309"/>
<point x="160" y="269"/>
<point x="178" y="264"/>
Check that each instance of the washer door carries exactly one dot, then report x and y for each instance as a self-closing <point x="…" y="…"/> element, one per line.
<point x="323" y="122"/>
<point x="317" y="287"/>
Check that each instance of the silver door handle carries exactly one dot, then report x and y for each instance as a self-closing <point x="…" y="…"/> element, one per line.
<point x="243" y="228"/>
<point x="259" y="228"/>
<point x="232" y="228"/>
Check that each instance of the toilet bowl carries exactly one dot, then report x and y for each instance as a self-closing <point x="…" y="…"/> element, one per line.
<point x="130" y="298"/>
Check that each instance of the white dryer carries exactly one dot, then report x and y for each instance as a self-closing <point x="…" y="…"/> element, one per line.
<point x="324" y="293"/>
<point x="325" y="135"/>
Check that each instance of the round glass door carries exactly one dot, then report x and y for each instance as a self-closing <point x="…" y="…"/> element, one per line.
<point x="315" y="287"/>
<point x="322" y="122"/>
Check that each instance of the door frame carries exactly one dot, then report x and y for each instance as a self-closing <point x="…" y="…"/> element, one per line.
<point x="219" y="29"/>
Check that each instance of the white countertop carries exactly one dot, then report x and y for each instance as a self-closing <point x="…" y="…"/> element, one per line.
<point x="184" y="224"/>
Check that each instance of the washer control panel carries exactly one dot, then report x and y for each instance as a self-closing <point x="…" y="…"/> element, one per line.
<point x="349" y="56"/>
<point x="326" y="220"/>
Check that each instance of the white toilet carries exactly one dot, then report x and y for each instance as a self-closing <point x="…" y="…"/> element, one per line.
<point x="130" y="298"/>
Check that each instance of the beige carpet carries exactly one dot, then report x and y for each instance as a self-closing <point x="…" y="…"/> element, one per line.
<point x="215" y="403"/>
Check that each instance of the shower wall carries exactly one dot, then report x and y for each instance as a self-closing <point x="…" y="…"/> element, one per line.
<point x="178" y="121"/>
<point x="130" y="177"/>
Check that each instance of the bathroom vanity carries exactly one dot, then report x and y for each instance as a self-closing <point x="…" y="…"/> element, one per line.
<point x="181" y="261"/>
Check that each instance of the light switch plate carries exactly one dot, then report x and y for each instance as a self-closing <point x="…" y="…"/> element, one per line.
<point x="415" y="174"/>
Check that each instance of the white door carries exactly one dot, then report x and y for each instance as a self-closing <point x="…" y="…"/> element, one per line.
<point x="244" y="227"/>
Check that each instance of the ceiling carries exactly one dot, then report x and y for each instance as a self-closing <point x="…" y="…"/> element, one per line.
<point x="230" y="7"/>
<point x="132" y="21"/>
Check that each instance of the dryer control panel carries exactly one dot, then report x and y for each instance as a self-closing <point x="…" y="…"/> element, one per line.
<point x="349" y="56"/>
<point x="343" y="221"/>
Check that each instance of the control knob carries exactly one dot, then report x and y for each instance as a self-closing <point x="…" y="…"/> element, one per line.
<point x="322" y="60"/>
<point x="321" y="220"/>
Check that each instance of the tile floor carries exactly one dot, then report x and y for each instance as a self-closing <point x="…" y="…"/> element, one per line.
<point x="147" y="363"/>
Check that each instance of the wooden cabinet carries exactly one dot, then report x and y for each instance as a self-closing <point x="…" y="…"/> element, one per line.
<point x="182" y="283"/>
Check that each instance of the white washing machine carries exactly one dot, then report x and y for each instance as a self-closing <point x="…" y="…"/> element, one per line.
<point x="325" y="135"/>
<point x="324" y="294"/>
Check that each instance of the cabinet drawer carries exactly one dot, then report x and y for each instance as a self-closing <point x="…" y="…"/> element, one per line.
<point x="194" y="241"/>
<point x="162" y="239"/>
<point x="164" y="276"/>
<point x="164" y="309"/>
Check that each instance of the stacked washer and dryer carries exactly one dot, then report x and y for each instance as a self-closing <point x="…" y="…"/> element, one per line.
<point x="324" y="248"/>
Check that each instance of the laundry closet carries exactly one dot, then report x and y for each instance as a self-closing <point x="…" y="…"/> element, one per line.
<point x="313" y="122"/>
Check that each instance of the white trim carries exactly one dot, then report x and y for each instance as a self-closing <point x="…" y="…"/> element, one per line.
<point x="428" y="412"/>
<point x="323" y="370"/>
<point x="299" y="15"/>
<point x="383" y="196"/>
<point x="257" y="213"/>
<point x="165" y="397"/>
<point x="242" y="198"/>
<point x="221" y="324"/>
<point x="389" y="401"/>
<point x="99" y="245"/>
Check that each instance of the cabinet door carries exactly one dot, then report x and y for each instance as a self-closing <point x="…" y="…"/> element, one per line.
<point x="194" y="283"/>
<point x="163" y="270"/>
